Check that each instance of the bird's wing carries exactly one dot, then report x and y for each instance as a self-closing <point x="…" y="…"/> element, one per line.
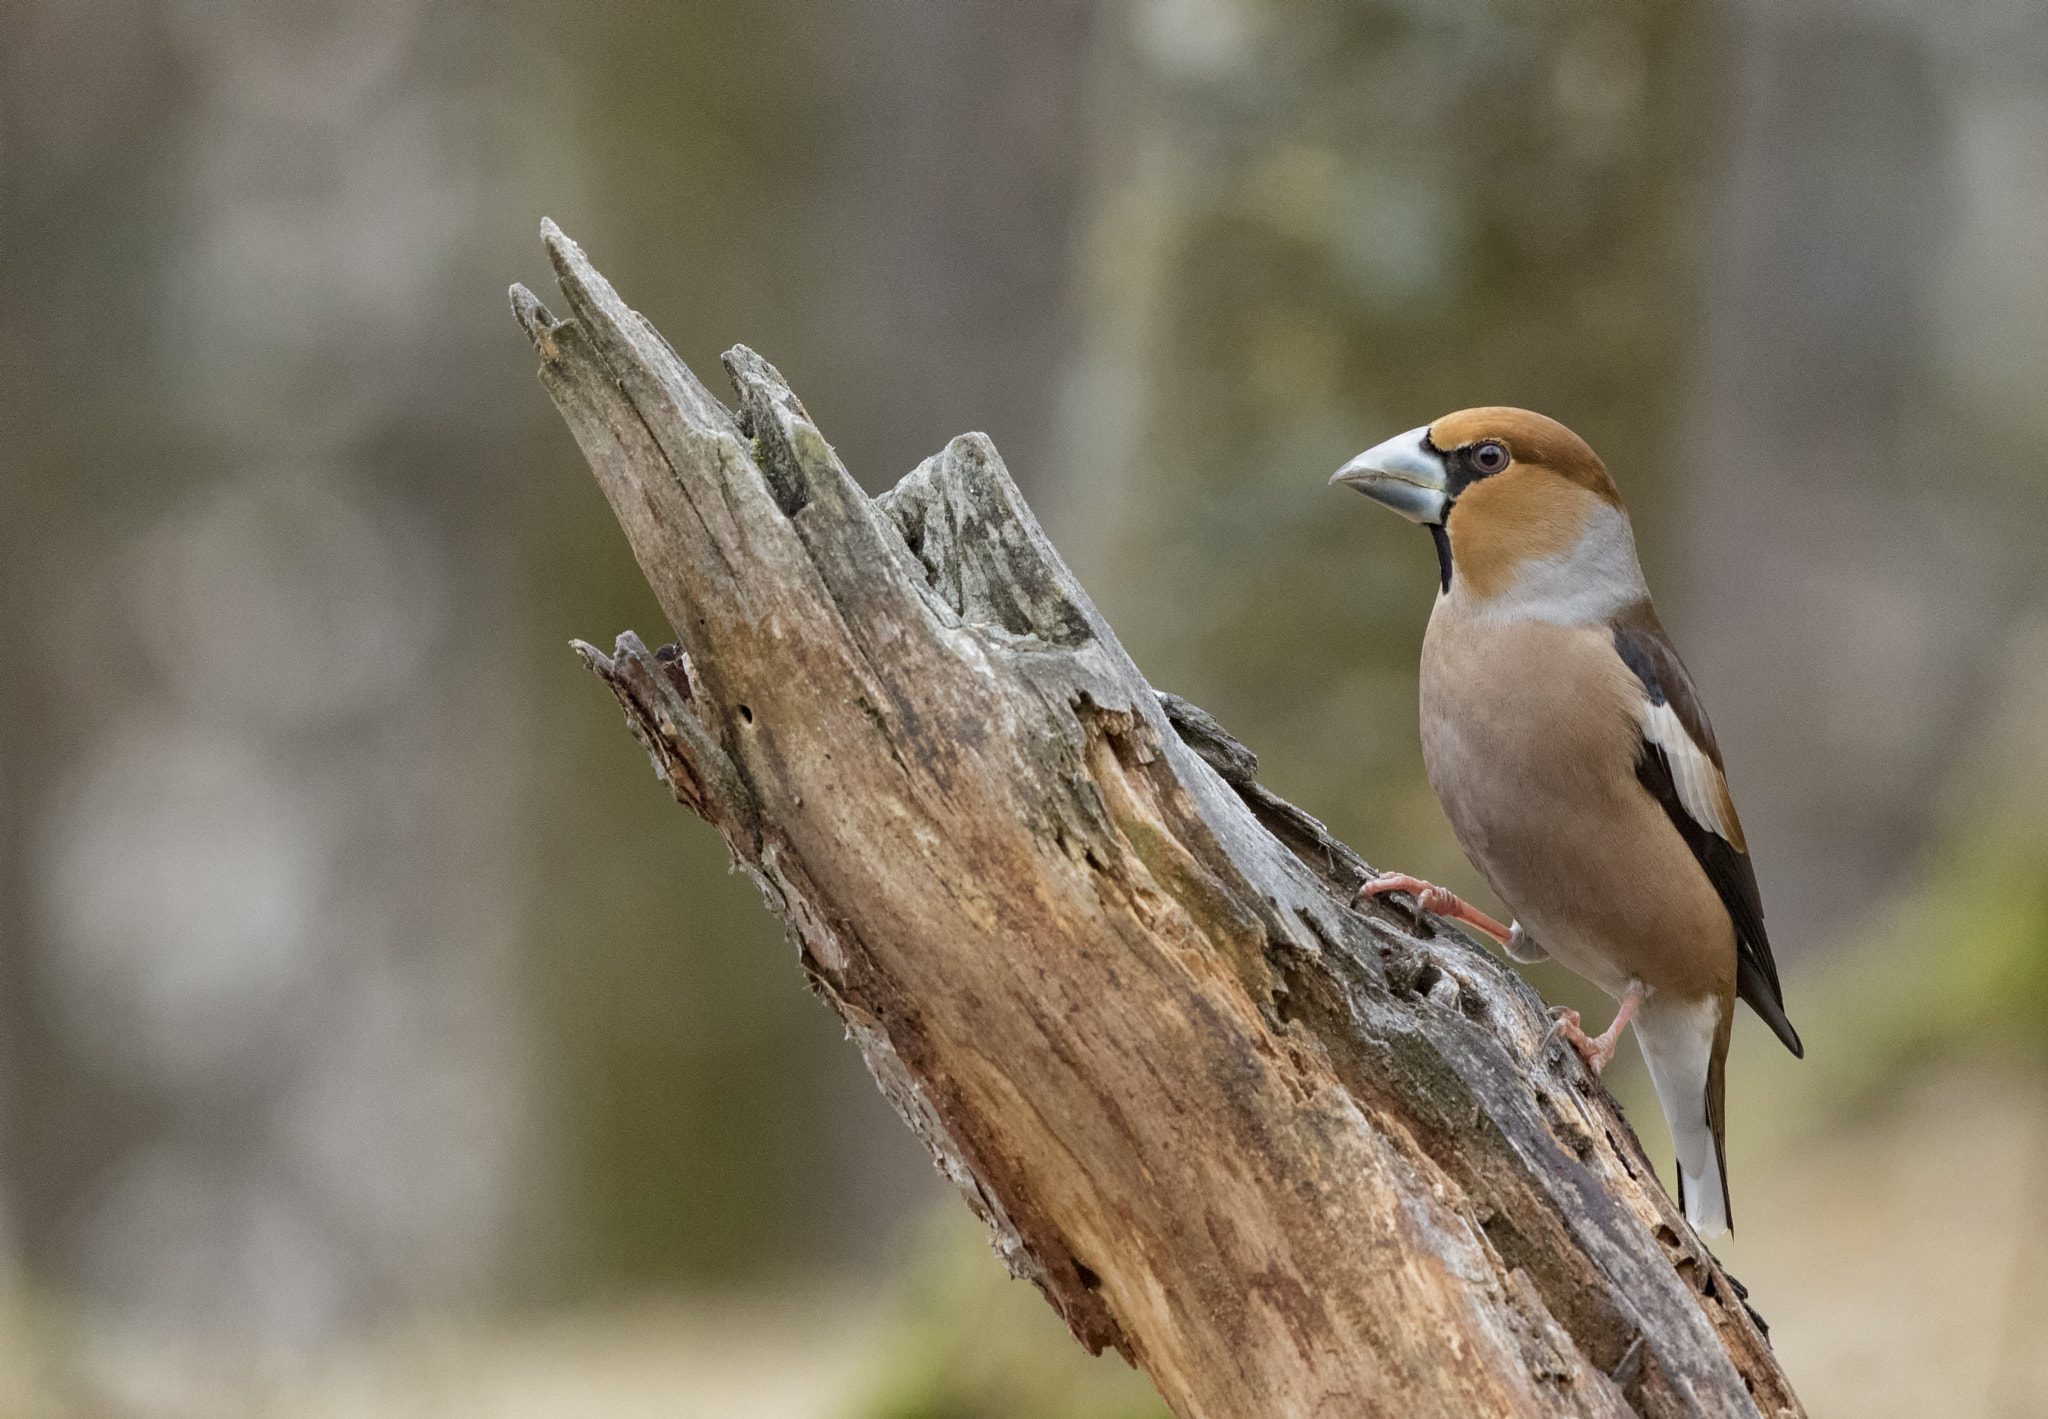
<point x="1680" y="764"/>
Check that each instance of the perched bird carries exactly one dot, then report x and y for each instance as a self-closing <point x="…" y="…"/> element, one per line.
<point x="1570" y="751"/>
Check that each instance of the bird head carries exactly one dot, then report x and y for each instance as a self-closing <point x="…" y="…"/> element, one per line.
<point x="1499" y="488"/>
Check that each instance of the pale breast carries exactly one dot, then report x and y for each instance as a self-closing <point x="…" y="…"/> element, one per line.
<point x="1529" y="734"/>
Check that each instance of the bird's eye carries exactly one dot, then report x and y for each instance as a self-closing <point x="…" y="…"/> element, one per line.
<point x="1490" y="457"/>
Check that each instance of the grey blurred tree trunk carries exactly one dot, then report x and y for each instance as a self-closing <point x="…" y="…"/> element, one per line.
<point x="264" y="1053"/>
<point x="1289" y="1157"/>
<point x="1866" y="464"/>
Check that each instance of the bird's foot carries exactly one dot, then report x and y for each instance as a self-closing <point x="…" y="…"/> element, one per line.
<point x="1595" y="1050"/>
<point x="1564" y="1022"/>
<point x="1432" y="898"/>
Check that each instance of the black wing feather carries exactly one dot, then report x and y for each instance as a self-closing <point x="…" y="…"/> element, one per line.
<point x="1645" y="650"/>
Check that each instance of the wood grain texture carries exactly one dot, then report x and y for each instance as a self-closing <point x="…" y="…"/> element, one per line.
<point x="1291" y="1158"/>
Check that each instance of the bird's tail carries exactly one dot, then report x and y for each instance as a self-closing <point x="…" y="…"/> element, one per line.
<point x="1685" y="1043"/>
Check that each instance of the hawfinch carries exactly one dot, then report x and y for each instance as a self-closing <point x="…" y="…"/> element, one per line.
<point x="1571" y="753"/>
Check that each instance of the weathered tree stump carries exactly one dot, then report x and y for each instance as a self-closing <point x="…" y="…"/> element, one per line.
<point x="1293" y="1158"/>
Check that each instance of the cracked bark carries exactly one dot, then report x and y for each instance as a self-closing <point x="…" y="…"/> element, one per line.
<point x="1290" y="1157"/>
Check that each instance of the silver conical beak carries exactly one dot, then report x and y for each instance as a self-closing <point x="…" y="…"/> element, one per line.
<point x="1404" y="473"/>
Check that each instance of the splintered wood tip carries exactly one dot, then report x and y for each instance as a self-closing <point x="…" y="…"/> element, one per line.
<point x="535" y="319"/>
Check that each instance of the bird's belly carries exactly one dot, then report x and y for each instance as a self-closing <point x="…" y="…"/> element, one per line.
<point x="1534" y="766"/>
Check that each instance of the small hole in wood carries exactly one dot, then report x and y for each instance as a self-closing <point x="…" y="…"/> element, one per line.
<point x="746" y="714"/>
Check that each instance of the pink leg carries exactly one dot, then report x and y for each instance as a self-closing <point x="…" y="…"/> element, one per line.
<point x="1596" y="1050"/>
<point x="1432" y="899"/>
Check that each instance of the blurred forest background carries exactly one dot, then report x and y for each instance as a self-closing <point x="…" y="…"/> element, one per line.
<point x="377" y="1037"/>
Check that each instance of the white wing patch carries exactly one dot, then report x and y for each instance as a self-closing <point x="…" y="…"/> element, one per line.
<point x="1699" y="784"/>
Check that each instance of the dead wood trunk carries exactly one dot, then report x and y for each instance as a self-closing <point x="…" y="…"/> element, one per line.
<point x="1292" y="1158"/>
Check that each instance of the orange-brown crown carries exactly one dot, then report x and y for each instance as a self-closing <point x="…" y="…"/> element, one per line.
<point x="1533" y="440"/>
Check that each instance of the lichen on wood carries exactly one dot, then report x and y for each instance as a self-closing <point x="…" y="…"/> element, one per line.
<point x="1291" y="1155"/>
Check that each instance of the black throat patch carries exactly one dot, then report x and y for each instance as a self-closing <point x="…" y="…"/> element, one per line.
<point x="1461" y="471"/>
